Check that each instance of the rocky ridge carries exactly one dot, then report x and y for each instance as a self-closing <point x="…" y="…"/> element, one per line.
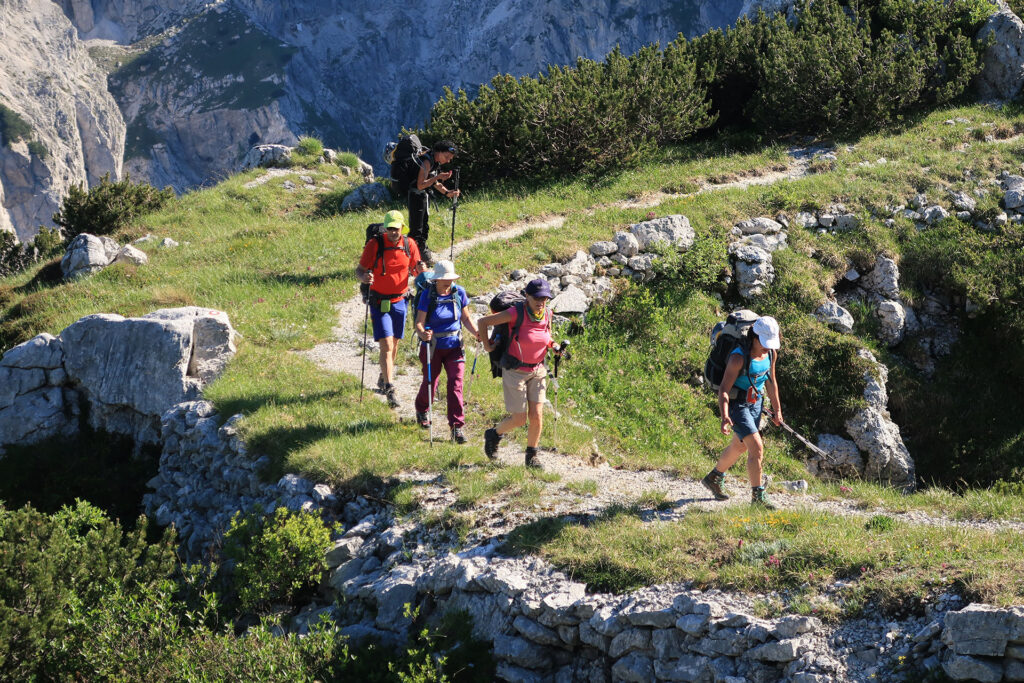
<point x="77" y="131"/>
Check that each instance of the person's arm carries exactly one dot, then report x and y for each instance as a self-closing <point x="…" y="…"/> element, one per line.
<point x="488" y="321"/>
<point x="421" y="330"/>
<point x="423" y="182"/>
<point x="364" y="275"/>
<point x="467" y="321"/>
<point x="773" y="392"/>
<point x="732" y="371"/>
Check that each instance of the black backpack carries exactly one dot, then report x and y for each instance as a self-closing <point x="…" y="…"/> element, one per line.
<point x="404" y="164"/>
<point x="375" y="231"/>
<point x="725" y="336"/>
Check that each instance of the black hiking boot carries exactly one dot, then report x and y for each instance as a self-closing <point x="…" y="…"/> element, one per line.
<point x="713" y="482"/>
<point x="457" y="435"/>
<point x="758" y="498"/>
<point x="531" y="457"/>
<point x="491" y="440"/>
<point x="422" y="419"/>
<point x="389" y="392"/>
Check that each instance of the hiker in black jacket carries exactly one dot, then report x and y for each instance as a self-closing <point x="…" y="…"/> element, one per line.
<point x="429" y="177"/>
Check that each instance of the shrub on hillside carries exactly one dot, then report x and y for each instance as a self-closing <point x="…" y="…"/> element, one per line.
<point x="309" y="146"/>
<point x="108" y="206"/>
<point x="587" y="117"/>
<point x="850" y="68"/>
<point x="69" y="563"/>
<point x="16" y="257"/>
<point x="278" y="558"/>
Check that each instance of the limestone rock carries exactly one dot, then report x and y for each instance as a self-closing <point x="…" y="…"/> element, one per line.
<point x="884" y="278"/>
<point x="844" y="461"/>
<point x="759" y="226"/>
<point x="634" y="667"/>
<point x="581" y="265"/>
<point x="674" y="230"/>
<point x="754" y="270"/>
<point x="983" y="630"/>
<point x="1002" y="73"/>
<point x="266" y="156"/>
<point x="42" y="351"/>
<point x="49" y="80"/>
<point x="964" y="668"/>
<point x="368" y="195"/>
<point x="606" y="248"/>
<point x="571" y="300"/>
<point x="879" y="438"/>
<point x="835" y="316"/>
<point x="129" y="254"/>
<point x="627" y="246"/>
<point x="213" y="342"/>
<point x="893" y="318"/>
<point x="87" y="254"/>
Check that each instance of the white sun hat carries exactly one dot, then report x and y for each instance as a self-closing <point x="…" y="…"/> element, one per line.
<point x="444" y="270"/>
<point x="767" y="330"/>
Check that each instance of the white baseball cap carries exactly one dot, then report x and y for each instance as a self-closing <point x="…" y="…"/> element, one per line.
<point x="767" y="330"/>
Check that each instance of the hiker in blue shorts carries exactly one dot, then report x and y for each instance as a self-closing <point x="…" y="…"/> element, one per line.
<point x="743" y="414"/>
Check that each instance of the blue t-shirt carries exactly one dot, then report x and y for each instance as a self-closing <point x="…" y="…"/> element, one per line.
<point x="447" y="314"/>
<point x="758" y="372"/>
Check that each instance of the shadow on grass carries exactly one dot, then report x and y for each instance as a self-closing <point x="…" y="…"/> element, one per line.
<point x="599" y="572"/>
<point x="307" y="280"/>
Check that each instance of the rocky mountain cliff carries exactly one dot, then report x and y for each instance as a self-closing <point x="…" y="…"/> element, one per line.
<point x="198" y="83"/>
<point x="68" y="126"/>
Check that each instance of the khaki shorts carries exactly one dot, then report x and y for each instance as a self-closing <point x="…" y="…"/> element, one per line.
<point x="520" y="386"/>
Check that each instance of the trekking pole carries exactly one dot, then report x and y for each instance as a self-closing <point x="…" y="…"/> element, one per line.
<point x="362" y="373"/>
<point x="810" y="446"/>
<point x="558" y="358"/>
<point x="472" y="373"/>
<point x="430" y="390"/>
<point x="455" y="207"/>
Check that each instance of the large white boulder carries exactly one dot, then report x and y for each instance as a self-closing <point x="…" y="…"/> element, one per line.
<point x="87" y="254"/>
<point x="674" y="230"/>
<point x="264" y="156"/>
<point x="754" y="270"/>
<point x="884" y="278"/>
<point x="1002" y="73"/>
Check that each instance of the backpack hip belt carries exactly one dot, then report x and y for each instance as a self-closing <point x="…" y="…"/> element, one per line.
<point x="445" y="335"/>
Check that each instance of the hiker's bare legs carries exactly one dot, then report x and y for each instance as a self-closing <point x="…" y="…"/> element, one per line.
<point x="536" y="424"/>
<point x="731" y="454"/>
<point x="511" y="422"/>
<point x="388" y="354"/>
<point x="755" y="457"/>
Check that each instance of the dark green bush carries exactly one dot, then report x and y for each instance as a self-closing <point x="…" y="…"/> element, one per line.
<point x="278" y="559"/>
<point x="51" y="567"/>
<point x="16" y="257"/>
<point x="845" y="68"/>
<point x="591" y="116"/>
<point x="109" y="206"/>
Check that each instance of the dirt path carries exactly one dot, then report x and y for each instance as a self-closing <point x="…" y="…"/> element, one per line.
<point x="613" y="486"/>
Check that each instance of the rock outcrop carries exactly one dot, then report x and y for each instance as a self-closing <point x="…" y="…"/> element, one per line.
<point x="128" y="371"/>
<point x="1002" y="74"/>
<point x="75" y="129"/>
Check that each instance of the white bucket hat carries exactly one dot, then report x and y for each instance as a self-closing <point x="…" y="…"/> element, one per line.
<point x="767" y="330"/>
<point x="444" y="270"/>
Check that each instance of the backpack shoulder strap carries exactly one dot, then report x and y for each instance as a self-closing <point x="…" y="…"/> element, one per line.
<point x="380" y="254"/>
<point x="405" y="245"/>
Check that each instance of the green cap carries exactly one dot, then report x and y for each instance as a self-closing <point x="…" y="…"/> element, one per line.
<point x="393" y="218"/>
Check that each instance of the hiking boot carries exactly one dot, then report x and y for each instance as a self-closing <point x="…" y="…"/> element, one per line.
<point x="389" y="392"/>
<point x="457" y="435"/>
<point x="713" y="482"/>
<point x="427" y="255"/>
<point x="491" y="440"/>
<point x="531" y="457"/>
<point x="422" y="419"/>
<point x="381" y="383"/>
<point x="758" y="498"/>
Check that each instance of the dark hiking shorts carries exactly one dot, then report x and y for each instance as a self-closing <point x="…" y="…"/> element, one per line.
<point x="746" y="417"/>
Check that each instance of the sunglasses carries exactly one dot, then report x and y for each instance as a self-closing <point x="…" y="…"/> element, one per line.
<point x="393" y="228"/>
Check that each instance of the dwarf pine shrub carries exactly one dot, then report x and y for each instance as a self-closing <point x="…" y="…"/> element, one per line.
<point x="278" y="558"/>
<point x="109" y="206"/>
